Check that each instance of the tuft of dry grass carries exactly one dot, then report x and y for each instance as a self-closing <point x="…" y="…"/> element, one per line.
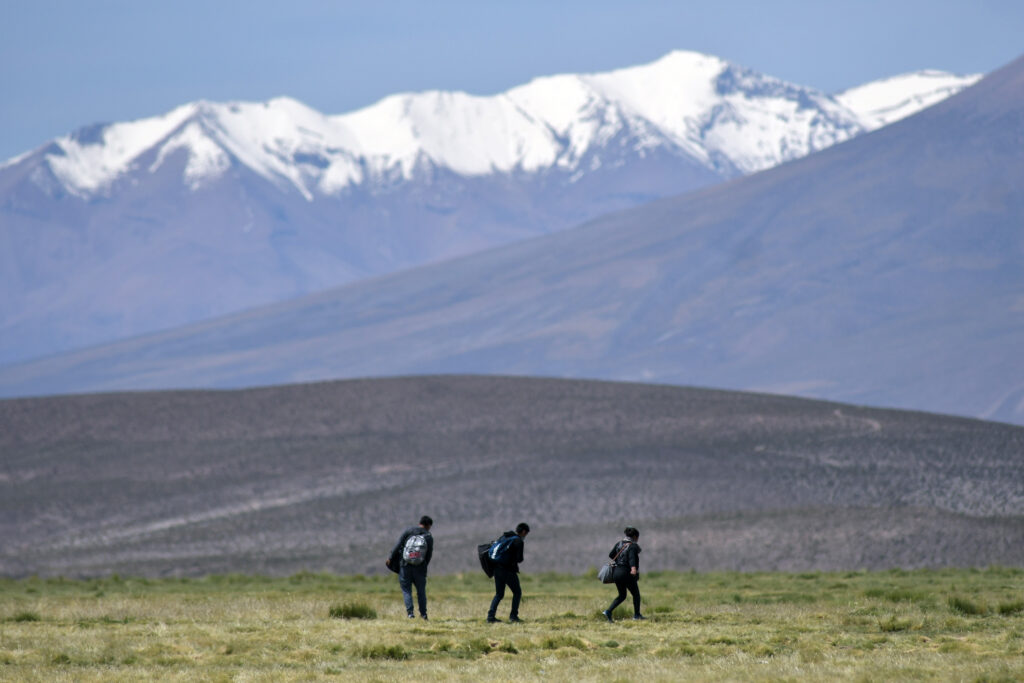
<point x="357" y="610"/>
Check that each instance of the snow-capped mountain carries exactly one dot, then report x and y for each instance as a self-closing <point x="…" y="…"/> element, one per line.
<point x="124" y="228"/>
<point x="885" y="271"/>
<point x="729" y="119"/>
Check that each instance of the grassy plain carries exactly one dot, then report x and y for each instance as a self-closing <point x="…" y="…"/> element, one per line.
<point x="865" y="626"/>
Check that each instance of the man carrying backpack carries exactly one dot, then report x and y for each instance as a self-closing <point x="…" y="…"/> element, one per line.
<point x="506" y="554"/>
<point x="409" y="558"/>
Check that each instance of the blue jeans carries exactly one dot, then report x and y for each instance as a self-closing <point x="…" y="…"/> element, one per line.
<point x="502" y="578"/>
<point x="409" y="576"/>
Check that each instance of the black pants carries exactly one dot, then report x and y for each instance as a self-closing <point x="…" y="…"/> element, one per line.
<point x="504" y="577"/>
<point x="409" y="576"/>
<point x="629" y="583"/>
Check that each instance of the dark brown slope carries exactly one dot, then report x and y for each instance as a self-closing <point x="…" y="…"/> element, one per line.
<point x="324" y="476"/>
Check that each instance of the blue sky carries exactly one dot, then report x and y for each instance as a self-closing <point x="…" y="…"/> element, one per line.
<point x="67" y="63"/>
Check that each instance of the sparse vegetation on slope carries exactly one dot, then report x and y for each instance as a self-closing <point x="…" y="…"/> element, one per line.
<point x="324" y="477"/>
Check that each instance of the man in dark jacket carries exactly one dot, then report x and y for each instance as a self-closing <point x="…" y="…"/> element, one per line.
<point x="412" y="571"/>
<point x="506" y="572"/>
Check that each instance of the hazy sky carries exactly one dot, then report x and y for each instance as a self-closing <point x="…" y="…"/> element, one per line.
<point x="67" y="63"/>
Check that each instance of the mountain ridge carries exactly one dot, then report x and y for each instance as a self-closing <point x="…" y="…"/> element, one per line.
<point x="569" y="113"/>
<point x="883" y="271"/>
<point x="122" y="229"/>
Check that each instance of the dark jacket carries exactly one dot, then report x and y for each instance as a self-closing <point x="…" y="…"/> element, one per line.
<point x="514" y="555"/>
<point x="396" y="552"/>
<point x="630" y="557"/>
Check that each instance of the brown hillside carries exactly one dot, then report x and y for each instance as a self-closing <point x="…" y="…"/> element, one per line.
<point x="325" y="476"/>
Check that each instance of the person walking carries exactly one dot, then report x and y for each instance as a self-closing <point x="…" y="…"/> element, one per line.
<point x="409" y="558"/>
<point x="626" y="555"/>
<point x="506" y="554"/>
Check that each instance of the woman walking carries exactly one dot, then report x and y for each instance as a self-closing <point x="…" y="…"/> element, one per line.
<point x="626" y="555"/>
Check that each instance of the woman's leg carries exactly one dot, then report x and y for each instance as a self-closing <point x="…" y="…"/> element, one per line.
<point x="634" y="588"/>
<point x="621" y="585"/>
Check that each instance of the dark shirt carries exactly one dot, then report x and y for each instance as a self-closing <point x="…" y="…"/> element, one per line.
<point x="630" y="557"/>
<point x="396" y="552"/>
<point x="514" y="554"/>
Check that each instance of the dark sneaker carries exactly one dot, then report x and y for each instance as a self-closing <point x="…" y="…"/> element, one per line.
<point x="411" y="616"/>
<point x="424" y="617"/>
<point x="515" y="620"/>
<point x="638" y="617"/>
<point x="492" y="620"/>
<point x="608" y="616"/>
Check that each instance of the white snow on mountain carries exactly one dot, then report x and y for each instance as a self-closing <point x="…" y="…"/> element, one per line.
<point x="882" y="102"/>
<point x="206" y="160"/>
<point x="93" y="156"/>
<point x="121" y="229"/>
<point x="730" y="119"/>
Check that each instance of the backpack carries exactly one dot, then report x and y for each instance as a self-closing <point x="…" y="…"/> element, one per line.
<point x="499" y="549"/>
<point x="415" y="550"/>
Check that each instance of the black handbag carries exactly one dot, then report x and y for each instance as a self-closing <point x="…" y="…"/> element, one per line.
<point x="609" y="573"/>
<point x="484" y="555"/>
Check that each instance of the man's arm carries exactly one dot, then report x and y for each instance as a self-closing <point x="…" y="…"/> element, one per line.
<point x="397" y="550"/>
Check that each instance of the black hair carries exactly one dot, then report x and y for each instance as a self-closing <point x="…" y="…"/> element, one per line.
<point x="523" y="526"/>
<point x="426" y="521"/>
<point x="631" y="532"/>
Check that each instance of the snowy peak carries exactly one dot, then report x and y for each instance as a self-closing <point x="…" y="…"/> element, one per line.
<point x="468" y="134"/>
<point x="720" y="111"/>
<point x="277" y="139"/>
<point x="729" y="119"/>
<point x="88" y="159"/>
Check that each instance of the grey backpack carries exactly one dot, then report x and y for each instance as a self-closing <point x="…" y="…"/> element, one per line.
<point x="415" y="550"/>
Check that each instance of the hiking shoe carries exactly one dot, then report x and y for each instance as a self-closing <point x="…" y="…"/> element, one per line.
<point x="608" y="616"/>
<point x="639" y="617"/>
<point x="515" y="620"/>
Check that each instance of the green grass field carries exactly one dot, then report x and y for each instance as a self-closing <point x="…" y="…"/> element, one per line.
<point x="864" y="626"/>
